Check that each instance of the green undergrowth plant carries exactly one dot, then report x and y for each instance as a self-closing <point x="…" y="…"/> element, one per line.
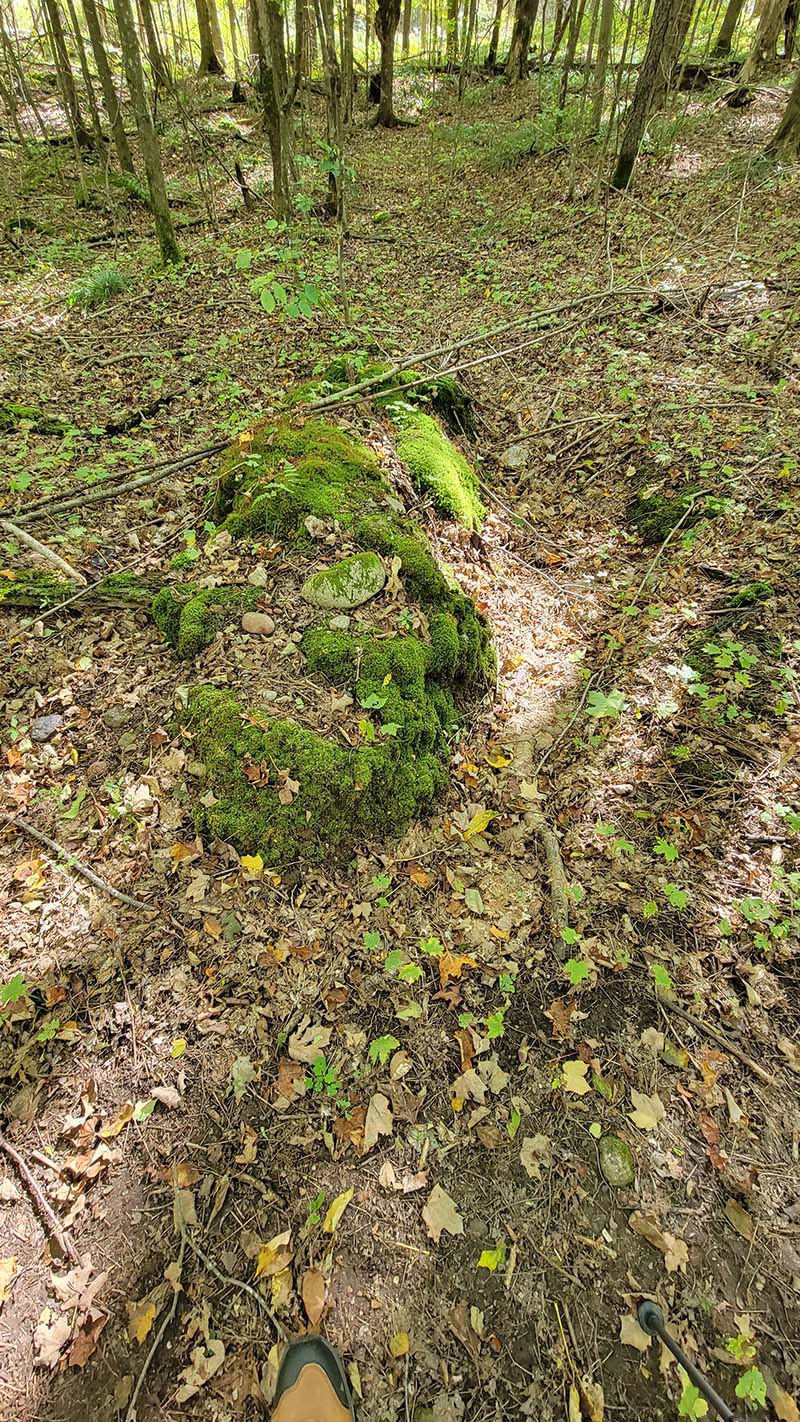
<point x="97" y="287"/>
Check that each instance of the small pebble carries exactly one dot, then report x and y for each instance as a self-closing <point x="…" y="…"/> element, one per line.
<point x="258" y="622"/>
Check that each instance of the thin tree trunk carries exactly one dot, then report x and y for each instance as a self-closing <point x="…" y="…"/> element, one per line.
<point x="275" y="99"/>
<point x="524" y="20"/>
<point x="576" y="13"/>
<point x="468" y="35"/>
<point x="387" y="18"/>
<point x="451" y="42"/>
<point x="210" y="62"/>
<point x="348" y="68"/>
<point x="111" y="102"/>
<point x="406" y="45"/>
<point x="491" y="58"/>
<point x="762" y="52"/>
<point x="87" y="78"/>
<point x="601" y="63"/>
<point x="158" y="63"/>
<point x="726" y="30"/>
<point x="216" y="32"/>
<point x="66" y="82"/>
<point x="669" y="27"/>
<point x="151" y="154"/>
<point x="237" y="67"/>
<point x="787" y="135"/>
<point x="337" y="199"/>
<point x="790" y="19"/>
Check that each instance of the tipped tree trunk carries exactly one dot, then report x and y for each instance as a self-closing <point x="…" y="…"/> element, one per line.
<point x="387" y="18"/>
<point x="66" y="82"/>
<point x="669" y="27"/>
<point x="491" y="58"/>
<point x="726" y="30"/>
<point x="111" y="102"/>
<point x="601" y="63"/>
<point x="210" y="62"/>
<point x="151" y="154"/>
<point x="787" y="135"/>
<point x="524" y="19"/>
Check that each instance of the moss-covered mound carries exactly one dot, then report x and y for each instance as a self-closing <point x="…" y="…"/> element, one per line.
<point x="437" y="468"/>
<point x="656" y="515"/>
<point x="189" y="617"/>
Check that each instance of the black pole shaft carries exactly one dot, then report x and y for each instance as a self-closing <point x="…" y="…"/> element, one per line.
<point x="651" y="1319"/>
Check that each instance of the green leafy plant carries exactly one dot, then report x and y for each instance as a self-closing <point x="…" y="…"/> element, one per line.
<point x="315" y="1208"/>
<point x="668" y="851"/>
<point x="676" y="898"/>
<point x="14" y="990"/>
<point x="752" y="1388"/>
<point x="431" y="946"/>
<point x="600" y="703"/>
<point x="578" y="970"/>
<point x="372" y="939"/>
<point x="381" y="1049"/>
<point x="97" y="287"/>
<point x="691" y="1403"/>
<point x="661" y="977"/>
<point x="324" y="1078"/>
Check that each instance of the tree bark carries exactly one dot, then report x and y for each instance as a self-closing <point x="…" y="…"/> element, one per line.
<point x="787" y="135"/>
<point x="337" y="194"/>
<point x="730" y="20"/>
<point x="387" y="18"/>
<point x="348" y="83"/>
<point x="451" y="41"/>
<point x="111" y="102"/>
<point x="216" y="32"/>
<point x="66" y="82"/>
<point x="601" y="63"/>
<point x="158" y="63"/>
<point x="276" y="101"/>
<point x="87" y="78"/>
<point x="210" y="62"/>
<point x="576" y="13"/>
<point x="669" y="27"/>
<point x="762" y="52"/>
<point x="491" y="58"/>
<point x="151" y="154"/>
<point x="524" y="19"/>
<point x="237" y="68"/>
<point x="406" y="45"/>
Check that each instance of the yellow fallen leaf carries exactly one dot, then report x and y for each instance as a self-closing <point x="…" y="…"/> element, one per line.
<point x="491" y="1259"/>
<point x="274" y="1256"/>
<point x="178" y="1048"/>
<point x="252" y="864"/>
<point x="141" y="1317"/>
<point x="498" y="760"/>
<point x="647" y="1112"/>
<point x="399" y="1345"/>
<point x="452" y="965"/>
<point x="8" y="1268"/>
<point x="113" y="1128"/>
<point x="335" y="1211"/>
<point x="479" y="822"/>
<point x="740" y="1219"/>
<point x="573" y="1077"/>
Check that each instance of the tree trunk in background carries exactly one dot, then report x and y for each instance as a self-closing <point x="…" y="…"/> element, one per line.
<point x="387" y="18"/>
<point x="216" y="32"/>
<point x="790" y="18"/>
<point x="348" y="67"/>
<point x="210" y="62"/>
<point x="726" y="30"/>
<point x="762" y="52"/>
<point x="87" y="78"/>
<point x="406" y="46"/>
<point x="467" y="38"/>
<point x="576" y="13"/>
<point x="601" y="63"/>
<point x="524" y="19"/>
<point x="337" y="197"/>
<point x="151" y="154"/>
<point x="111" y="102"/>
<point x="155" y="54"/>
<point x="237" y="67"/>
<point x="787" y="135"/>
<point x="491" y="58"/>
<point x="66" y="82"/>
<point x="451" y="43"/>
<point x="669" y="27"/>
<point x="273" y="88"/>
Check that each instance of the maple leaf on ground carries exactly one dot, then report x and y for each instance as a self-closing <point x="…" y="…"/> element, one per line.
<point x="648" y="1110"/>
<point x="441" y="1215"/>
<point x="379" y="1120"/>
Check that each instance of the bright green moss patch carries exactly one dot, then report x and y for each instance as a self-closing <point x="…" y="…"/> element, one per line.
<point x="342" y="793"/>
<point x="437" y="468"/>
<point x="286" y="473"/>
<point x="189" y="617"/>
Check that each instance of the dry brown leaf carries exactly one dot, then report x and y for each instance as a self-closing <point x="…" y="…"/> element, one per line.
<point x="86" y="1339"/>
<point x="167" y="1095"/>
<point x="290" y="1085"/>
<point x="452" y="965"/>
<point x="8" y="1268"/>
<point x="50" y="1339"/>
<point x="379" y="1120"/>
<point x="647" y="1110"/>
<point x="784" y="1405"/>
<point x="460" y="1323"/>
<point x="791" y="1051"/>
<point x="560" y="1013"/>
<point x="206" y="1361"/>
<point x="441" y="1215"/>
<point x="469" y="1087"/>
<point x="466" y="1047"/>
<point x="121" y="1120"/>
<point x="419" y="876"/>
<point x="184" y="1212"/>
<point x="740" y="1219"/>
<point x="675" y="1251"/>
<point x="535" y="1154"/>
<point x="309" y="1042"/>
<point x="632" y="1333"/>
<point x="313" y="1294"/>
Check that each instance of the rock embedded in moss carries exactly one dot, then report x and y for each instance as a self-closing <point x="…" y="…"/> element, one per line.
<point x="616" y="1161"/>
<point x="189" y="617"/>
<point x="348" y="583"/>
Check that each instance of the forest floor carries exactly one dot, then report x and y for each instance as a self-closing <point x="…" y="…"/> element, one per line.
<point x="153" y="1062"/>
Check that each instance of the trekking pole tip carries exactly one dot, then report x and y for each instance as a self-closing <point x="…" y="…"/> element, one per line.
<point x="651" y="1319"/>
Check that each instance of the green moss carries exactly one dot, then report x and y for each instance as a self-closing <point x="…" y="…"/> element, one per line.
<point x="189" y="617"/>
<point x="12" y="416"/>
<point x="31" y="589"/>
<point x="655" y="515"/>
<point x="288" y="472"/>
<point x="752" y="594"/>
<point x="342" y="794"/>
<point x="438" y="468"/>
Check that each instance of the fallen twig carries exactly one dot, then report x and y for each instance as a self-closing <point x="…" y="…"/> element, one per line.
<point x="62" y="1240"/>
<point x="559" y="888"/>
<point x="240" y="1284"/>
<point x="716" y="1036"/>
<point x="76" y="864"/>
<point x="177" y="1289"/>
<point x="43" y="551"/>
<point x="701" y="493"/>
<point x="109" y="488"/>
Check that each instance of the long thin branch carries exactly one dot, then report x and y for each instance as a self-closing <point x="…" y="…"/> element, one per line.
<point x="62" y="1240"/>
<point x="232" y="1283"/>
<point x="716" y="1036"/>
<point x="76" y="864"/>
<point x="43" y="551"/>
<point x="109" y="488"/>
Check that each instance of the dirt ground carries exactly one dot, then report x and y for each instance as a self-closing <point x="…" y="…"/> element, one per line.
<point x="156" y="1061"/>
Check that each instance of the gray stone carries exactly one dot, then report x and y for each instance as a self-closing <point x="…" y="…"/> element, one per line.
<point x="340" y="622"/>
<point x="517" y="456"/>
<point x="116" y="717"/>
<point x="616" y="1161"/>
<point x="46" y="726"/>
<point x="348" y="583"/>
